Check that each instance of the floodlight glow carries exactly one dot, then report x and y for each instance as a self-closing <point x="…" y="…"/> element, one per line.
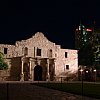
<point x="87" y="71"/>
<point x="81" y="70"/>
<point x="94" y="70"/>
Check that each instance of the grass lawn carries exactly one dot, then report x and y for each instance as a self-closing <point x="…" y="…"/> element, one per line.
<point x="89" y="89"/>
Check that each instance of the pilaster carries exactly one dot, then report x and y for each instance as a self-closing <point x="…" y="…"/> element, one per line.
<point x="22" y="74"/>
<point x="48" y="74"/>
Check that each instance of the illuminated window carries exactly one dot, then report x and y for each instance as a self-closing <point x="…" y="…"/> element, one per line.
<point x="85" y="40"/>
<point x="67" y="66"/>
<point x="65" y="54"/>
<point x="38" y="52"/>
<point x="83" y="32"/>
<point x="5" y="50"/>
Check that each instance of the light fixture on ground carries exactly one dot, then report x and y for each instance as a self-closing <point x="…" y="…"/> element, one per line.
<point x="94" y="74"/>
<point x="81" y="70"/>
<point x="94" y="70"/>
<point x="87" y="71"/>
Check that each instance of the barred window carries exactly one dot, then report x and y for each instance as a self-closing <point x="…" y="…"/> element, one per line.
<point x="5" y="50"/>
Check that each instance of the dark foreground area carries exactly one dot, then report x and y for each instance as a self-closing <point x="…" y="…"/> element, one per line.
<point x="89" y="89"/>
<point x="27" y="91"/>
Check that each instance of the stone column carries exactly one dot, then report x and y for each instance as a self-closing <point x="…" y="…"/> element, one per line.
<point x="33" y="65"/>
<point x="48" y="74"/>
<point x="22" y="74"/>
<point x="9" y="67"/>
<point x="54" y="69"/>
<point x="30" y="69"/>
<point x="9" y="64"/>
<point x="30" y="65"/>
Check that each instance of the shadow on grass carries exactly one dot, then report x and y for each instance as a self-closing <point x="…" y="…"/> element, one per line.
<point x="90" y="90"/>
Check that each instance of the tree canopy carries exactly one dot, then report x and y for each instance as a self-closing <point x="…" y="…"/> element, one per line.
<point x="3" y="64"/>
<point x="86" y="55"/>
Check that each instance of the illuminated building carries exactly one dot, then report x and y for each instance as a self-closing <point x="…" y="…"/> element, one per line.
<point x="38" y="59"/>
<point x="84" y="43"/>
<point x="83" y="36"/>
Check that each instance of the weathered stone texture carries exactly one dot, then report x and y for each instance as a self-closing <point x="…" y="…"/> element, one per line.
<point x="55" y="54"/>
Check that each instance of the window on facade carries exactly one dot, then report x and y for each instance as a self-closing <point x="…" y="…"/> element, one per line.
<point x="5" y="50"/>
<point x="65" y="54"/>
<point x="25" y="51"/>
<point x="50" y="53"/>
<point x="67" y="66"/>
<point x="38" y="52"/>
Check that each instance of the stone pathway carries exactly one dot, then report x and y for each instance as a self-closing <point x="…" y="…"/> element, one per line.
<point x="32" y="92"/>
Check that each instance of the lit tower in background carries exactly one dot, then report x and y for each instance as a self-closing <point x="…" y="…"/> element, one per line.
<point x="84" y="43"/>
<point x="87" y="41"/>
<point x="83" y="36"/>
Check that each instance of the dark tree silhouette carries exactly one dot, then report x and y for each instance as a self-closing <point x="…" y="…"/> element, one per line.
<point x="86" y="55"/>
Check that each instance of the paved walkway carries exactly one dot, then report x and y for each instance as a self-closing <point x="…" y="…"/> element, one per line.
<point x="32" y="92"/>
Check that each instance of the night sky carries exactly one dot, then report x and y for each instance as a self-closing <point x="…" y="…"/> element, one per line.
<point x="57" y="20"/>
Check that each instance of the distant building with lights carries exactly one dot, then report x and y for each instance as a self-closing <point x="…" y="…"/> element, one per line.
<point x="38" y="59"/>
<point x="96" y="45"/>
<point x="83" y="36"/>
<point x="87" y="41"/>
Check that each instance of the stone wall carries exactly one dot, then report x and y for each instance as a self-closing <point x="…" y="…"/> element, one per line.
<point x="37" y="41"/>
<point x="10" y="50"/>
<point x="71" y="61"/>
<point x="15" y="52"/>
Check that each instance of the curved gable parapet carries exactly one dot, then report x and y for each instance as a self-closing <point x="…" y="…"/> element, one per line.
<point x="39" y="36"/>
<point x="37" y="40"/>
<point x="40" y="40"/>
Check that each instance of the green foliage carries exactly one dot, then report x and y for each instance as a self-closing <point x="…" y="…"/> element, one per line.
<point x="1" y="57"/>
<point x="3" y="65"/>
<point x="86" y="55"/>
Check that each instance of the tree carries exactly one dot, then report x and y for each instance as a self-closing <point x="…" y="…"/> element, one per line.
<point x="86" y="55"/>
<point x="3" y="64"/>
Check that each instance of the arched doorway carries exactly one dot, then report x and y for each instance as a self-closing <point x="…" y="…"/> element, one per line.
<point x="38" y="73"/>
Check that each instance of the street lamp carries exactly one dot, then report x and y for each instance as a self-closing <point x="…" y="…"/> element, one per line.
<point x="87" y="71"/>
<point x="94" y="74"/>
<point x="94" y="70"/>
<point x="81" y="70"/>
<point x="87" y="76"/>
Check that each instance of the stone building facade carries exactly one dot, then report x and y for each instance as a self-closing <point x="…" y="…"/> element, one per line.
<point x="37" y="58"/>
